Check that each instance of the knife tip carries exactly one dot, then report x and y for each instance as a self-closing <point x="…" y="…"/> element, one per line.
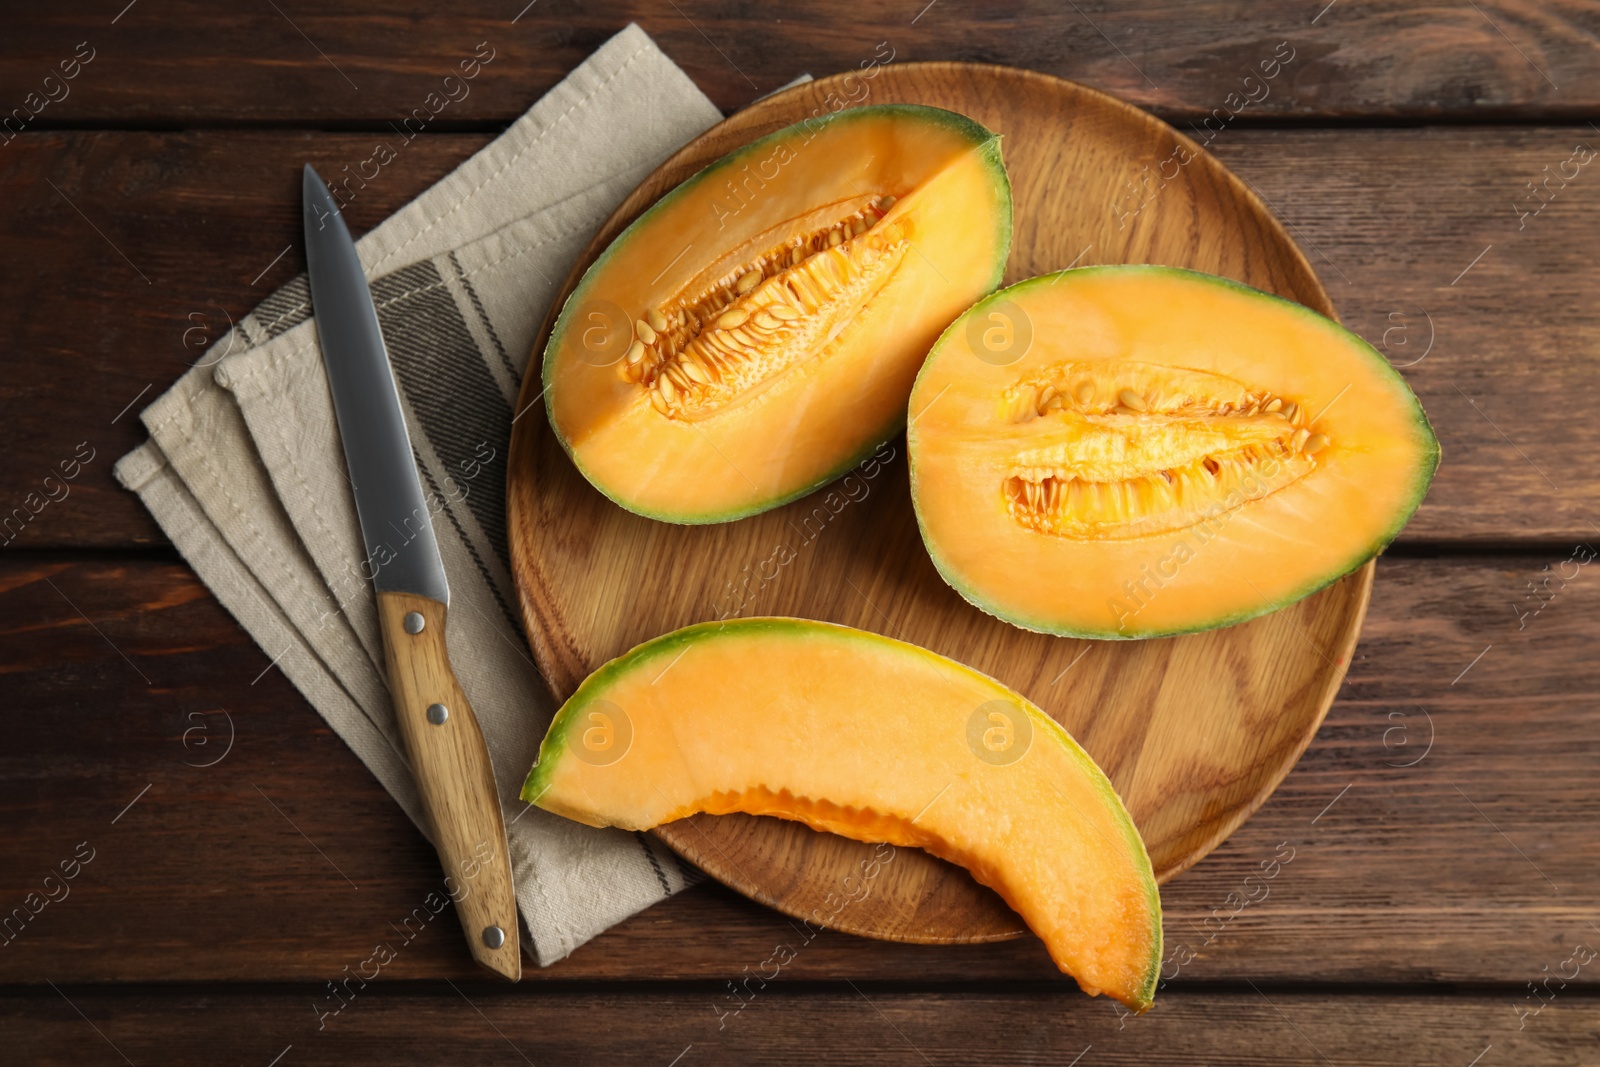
<point x="317" y="203"/>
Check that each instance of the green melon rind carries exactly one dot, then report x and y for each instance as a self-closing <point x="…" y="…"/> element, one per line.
<point x="673" y="644"/>
<point x="1044" y="626"/>
<point x="988" y="148"/>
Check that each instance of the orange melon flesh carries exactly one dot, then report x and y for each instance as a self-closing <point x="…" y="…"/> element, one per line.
<point x="919" y="210"/>
<point x="877" y="740"/>
<point x="1267" y="452"/>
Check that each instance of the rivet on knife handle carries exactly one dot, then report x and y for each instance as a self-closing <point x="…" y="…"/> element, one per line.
<point x="451" y="766"/>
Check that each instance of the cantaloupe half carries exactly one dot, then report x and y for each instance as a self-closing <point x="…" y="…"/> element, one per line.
<point x="1121" y="452"/>
<point x="756" y="332"/>
<point x="876" y="740"/>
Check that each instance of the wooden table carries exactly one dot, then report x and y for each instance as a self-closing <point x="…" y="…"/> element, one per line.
<point x="1440" y="905"/>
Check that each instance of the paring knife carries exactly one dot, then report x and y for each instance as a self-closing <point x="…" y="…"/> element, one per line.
<point x="445" y="746"/>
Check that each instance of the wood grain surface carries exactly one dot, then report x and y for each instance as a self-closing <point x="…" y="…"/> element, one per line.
<point x="856" y="1025"/>
<point x="1390" y="220"/>
<point x="343" y="63"/>
<point x="1454" y="773"/>
<point x="1193" y="731"/>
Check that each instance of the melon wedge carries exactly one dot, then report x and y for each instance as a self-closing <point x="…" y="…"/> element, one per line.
<point x="1137" y="451"/>
<point x="756" y="332"/>
<point x="877" y="740"/>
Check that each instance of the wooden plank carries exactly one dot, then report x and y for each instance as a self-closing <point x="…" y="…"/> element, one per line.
<point x="341" y="62"/>
<point x="1438" y="828"/>
<point x="120" y="263"/>
<point x="836" y="1024"/>
<point x="1394" y="221"/>
<point x="1434" y="249"/>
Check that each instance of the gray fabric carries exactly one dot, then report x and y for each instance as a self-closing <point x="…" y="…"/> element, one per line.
<point x="245" y="473"/>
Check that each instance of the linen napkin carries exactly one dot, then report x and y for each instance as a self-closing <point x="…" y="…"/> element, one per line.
<point x="245" y="473"/>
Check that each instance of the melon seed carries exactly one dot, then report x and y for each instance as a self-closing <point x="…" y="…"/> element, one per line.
<point x="784" y="312"/>
<point x="730" y="319"/>
<point x="642" y="329"/>
<point x="1301" y="436"/>
<point x="834" y="238"/>
<point x="1130" y="399"/>
<point x="858" y="227"/>
<point x="747" y="282"/>
<point x="658" y="401"/>
<point x="767" y="320"/>
<point x="1291" y="411"/>
<point x="1273" y="405"/>
<point x="696" y="372"/>
<point x="1315" y="443"/>
<point x="635" y="353"/>
<point x="885" y="203"/>
<point x="669" y="392"/>
<point x="657" y="321"/>
<point x="1085" y="392"/>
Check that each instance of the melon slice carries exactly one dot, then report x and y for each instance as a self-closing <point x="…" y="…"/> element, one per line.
<point x="877" y="740"/>
<point x="756" y="332"/>
<point x="1123" y="452"/>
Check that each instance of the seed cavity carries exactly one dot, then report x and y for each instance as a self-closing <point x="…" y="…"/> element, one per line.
<point x="700" y="352"/>
<point x="1173" y="449"/>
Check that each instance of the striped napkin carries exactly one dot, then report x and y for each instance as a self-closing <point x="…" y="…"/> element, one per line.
<point x="245" y="473"/>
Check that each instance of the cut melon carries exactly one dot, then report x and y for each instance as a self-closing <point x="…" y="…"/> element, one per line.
<point x="756" y="332"/>
<point x="1123" y="452"/>
<point x="876" y="740"/>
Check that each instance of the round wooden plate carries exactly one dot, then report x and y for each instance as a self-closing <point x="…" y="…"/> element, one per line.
<point x="1194" y="731"/>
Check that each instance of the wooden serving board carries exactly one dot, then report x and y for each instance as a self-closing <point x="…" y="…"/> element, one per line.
<point x="1195" y="732"/>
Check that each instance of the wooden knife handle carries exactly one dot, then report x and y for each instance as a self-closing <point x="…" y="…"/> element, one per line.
<point x="453" y="773"/>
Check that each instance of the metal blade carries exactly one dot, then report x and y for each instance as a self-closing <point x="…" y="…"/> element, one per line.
<point x="396" y="526"/>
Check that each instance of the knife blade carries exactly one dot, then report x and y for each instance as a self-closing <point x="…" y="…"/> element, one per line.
<point x="443" y="741"/>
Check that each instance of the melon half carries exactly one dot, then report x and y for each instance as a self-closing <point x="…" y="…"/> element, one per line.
<point x="756" y="332"/>
<point x="876" y="740"/>
<point x="1137" y="451"/>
